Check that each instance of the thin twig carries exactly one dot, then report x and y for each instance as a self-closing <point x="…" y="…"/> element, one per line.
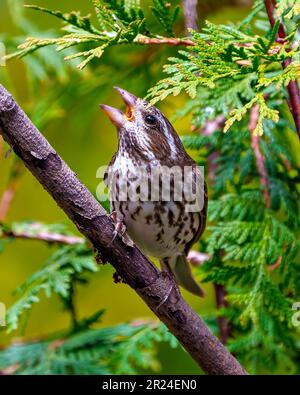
<point x="261" y="168"/>
<point x="224" y="325"/>
<point x="144" y="40"/>
<point x="157" y="289"/>
<point x="1" y="144"/>
<point x="260" y="160"/>
<point x="275" y="265"/>
<point x="190" y="14"/>
<point x="10" y="190"/>
<point x="163" y="41"/>
<point x="48" y="237"/>
<point x="196" y="258"/>
<point x="293" y="87"/>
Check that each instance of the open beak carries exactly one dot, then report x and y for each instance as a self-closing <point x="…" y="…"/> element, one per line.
<point x="116" y="116"/>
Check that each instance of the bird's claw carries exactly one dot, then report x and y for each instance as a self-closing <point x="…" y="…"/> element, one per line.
<point x="120" y="229"/>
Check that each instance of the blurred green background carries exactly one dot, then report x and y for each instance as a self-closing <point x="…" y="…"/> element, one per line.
<point x="64" y="104"/>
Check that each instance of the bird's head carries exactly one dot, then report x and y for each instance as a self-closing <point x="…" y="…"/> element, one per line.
<point x="143" y="130"/>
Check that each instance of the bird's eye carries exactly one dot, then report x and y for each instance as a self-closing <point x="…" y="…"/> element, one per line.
<point x="150" y="119"/>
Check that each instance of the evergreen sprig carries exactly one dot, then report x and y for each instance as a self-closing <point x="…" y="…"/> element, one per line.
<point x="254" y="246"/>
<point x="166" y="15"/>
<point x="65" y="266"/>
<point x="254" y="249"/>
<point x="233" y="69"/>
<point x="121" y="349"/>
<point x="119" y="22"/>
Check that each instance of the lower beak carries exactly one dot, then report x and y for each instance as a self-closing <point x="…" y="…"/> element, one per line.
<point x="116" y="116"/>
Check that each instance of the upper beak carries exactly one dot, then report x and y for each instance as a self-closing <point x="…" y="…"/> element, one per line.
<point x="117" y="117"/>
<point x="128" y="98"/>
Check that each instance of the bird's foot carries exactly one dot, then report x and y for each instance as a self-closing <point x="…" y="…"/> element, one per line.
<point x="120" y="229"/>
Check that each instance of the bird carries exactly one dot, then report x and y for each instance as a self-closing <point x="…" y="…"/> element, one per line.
<point x="163" y="228"/>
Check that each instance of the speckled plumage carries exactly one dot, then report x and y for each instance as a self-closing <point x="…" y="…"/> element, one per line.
<point x="162" y="229"/>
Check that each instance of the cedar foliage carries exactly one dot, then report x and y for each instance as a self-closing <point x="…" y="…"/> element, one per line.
<point x="253" y="244"/>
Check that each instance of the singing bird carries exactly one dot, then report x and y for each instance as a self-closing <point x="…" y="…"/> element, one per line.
<point x="161" y="229"/>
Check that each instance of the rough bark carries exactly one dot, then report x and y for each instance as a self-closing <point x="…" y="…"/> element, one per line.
<point x="156" y="288"/>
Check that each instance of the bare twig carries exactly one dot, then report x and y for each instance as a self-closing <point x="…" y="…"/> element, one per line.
<point x="196" y="258"/>
<point x="275" y="265"/>
<point x="261" y="168"/>
<point x="224" y="325"/>
<point x="1" y="144"/>
<point x="190" y="14"/>
<point x="32" y="233"/>
<point x="293" y="87"/>
<point x="6" y="200"/>
<point x="163" y="41"/>
<point x="156" y="288"/>
<point x="260" y="160"/>
<point x="10" y="190"/>
<point x="144" y="40"/>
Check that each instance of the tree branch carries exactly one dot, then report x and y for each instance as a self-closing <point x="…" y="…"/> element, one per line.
<point x="261" y="167"/>
<point x="190" y="14"/>
<point x="156" y="288"/>
<point x="224" y="325"/>
<point x="293" y="87"/>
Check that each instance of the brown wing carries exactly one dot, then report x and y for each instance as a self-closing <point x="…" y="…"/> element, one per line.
<point x="202" y="221"/>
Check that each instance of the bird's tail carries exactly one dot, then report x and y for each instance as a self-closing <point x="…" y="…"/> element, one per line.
<point x="180" y="267"/>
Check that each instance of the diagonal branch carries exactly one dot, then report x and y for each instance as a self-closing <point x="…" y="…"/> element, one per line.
<point x="293" y="87"/>
<point x="156" y="288"/>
